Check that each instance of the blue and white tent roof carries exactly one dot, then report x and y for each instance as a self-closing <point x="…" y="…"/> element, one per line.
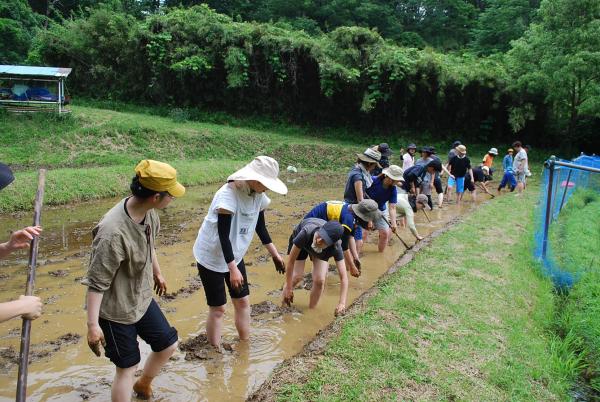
<point x="31" y="71"/>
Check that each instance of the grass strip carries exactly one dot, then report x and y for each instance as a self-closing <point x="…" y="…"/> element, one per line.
<point x="65" y="185"/>
<point x="468" y="319"/>
<point x="575" y="241"/>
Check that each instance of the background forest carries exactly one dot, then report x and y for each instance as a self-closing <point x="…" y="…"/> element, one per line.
<point x="479" y="70"/>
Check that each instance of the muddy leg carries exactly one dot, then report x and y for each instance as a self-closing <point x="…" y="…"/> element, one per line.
<point x="214" y="325"/>
<point x="151" y="369"/>
<point x="319" y="272"/>
<point x="298" y="272"/>
<point x="384" y="238"/>
<point x="123" y="384"/>
<point x="241" y="308"/>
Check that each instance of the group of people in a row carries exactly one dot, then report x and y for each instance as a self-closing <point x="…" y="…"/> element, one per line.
<point x="124" y="269"/>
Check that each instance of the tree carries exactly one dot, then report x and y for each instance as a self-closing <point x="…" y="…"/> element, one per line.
<point x="501" y="22"/>
<point x="18" y="25"/>
<point x="558" y="59"/>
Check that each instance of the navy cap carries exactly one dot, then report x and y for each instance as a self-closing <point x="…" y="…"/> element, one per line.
<point x="331" y="232"/>
<point x="6" y="176"/>
<point x="456" y="143"/>
<point x="384" y="148"/>
<point x="411" y="146"/>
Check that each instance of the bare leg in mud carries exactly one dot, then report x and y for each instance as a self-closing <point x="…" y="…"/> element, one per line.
<point x="214" y="325"/>
<point x="319" y="273"/>
<point x="241" y="308"/>
<point x="122" y="384"/>
<point x="155" y="362"/>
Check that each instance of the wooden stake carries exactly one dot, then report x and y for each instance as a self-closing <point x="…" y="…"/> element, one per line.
<point x="26" y="328"/>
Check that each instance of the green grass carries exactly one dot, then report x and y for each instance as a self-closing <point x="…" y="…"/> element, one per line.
<point x="575" y="241"/>
<point x="92" y="151"/>
<point x="468" y="319"/>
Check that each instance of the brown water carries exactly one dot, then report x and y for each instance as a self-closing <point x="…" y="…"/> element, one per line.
<point x="73" y="373"/>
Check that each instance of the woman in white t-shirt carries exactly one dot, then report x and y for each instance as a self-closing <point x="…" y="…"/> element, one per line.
<point x="236" y="212"/>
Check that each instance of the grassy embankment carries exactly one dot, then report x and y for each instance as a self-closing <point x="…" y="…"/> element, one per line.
<point x="469" y="318"/>
<point x="91" y="153"/>
<point x="575" y="240"/>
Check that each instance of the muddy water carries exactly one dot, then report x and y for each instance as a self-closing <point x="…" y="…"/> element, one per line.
<point x="70" y="372"/>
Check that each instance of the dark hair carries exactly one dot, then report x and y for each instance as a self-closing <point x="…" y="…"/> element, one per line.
<point x="142" y="192"/>
<point x="517" y="144"/>
<point x="362" y="223"/>
<point x="436" y="164"/>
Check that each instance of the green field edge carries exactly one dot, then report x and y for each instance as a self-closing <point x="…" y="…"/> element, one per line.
<point x="470" y="318"/>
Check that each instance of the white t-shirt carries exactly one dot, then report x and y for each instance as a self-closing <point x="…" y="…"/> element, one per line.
<point x="520" y="163"/>
<point x="245" y="209"/>
<point x="407" y="161"/>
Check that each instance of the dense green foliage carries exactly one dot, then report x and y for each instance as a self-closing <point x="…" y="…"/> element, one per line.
<point x="373" y="64"/>
<point x="18" y="26"/>
<point x="349" y="76"/>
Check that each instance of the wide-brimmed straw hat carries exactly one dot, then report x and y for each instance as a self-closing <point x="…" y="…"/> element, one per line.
<point x="6" y="176"/>
<point x="493" y="151"/>
<point x="367" y="210"/>
<point x="461" y="149"/>
<point x="263" y="169"/>
<point x="370" y="155"/>
<point x="394" y="172"/>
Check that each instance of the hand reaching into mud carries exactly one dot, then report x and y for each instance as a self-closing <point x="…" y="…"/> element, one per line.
<point x="279" y="265"/>
<point x="356" y="269"/>
<point x="340" y="310"/>
<point x="95" y="338"/>
<point x="160" y="285"/>
<point x="288" y="296"/>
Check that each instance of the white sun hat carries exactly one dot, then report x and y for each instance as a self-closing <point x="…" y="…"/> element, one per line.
<point x="493" y="151"/>
<point x="263" y="169"/>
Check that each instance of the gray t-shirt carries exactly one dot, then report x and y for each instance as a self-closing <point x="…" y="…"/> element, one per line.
<point x="303" y="235"/>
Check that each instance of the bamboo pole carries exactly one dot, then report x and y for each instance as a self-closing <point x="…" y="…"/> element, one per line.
<point x="26" y="328"/>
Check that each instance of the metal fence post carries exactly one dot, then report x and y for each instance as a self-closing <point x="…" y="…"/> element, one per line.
<point x="548" y="217"/>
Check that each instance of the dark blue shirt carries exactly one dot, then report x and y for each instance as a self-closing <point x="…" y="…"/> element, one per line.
<point x="381" y="194"/>
<point x="414" y="174"/>
<point x="356" y="174"/>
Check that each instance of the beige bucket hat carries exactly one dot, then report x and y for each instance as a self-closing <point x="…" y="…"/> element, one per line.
<point x="394" y="172"/>
<point x="263" y="169"/>
<point x="370" y="155"/>
<point x="461" y="149"/>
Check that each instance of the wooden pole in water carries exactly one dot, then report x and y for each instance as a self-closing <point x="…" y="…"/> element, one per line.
<point x="426" y="216"/>
<point x="26" y="328"/>
<point x="397" y="235"/>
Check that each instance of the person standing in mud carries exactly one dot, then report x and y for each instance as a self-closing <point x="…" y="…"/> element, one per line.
<point x="122" y="272"/>
<point x="352" y="217"/>
<point x="408" y="159"/>
<point x="459" y="166"/>
<point x="236" y="212"/>
<point x="320" y="240"/>
<point x="359" y="180"/>
<point x="385" y="193"/>
<point x="29" y="307"/>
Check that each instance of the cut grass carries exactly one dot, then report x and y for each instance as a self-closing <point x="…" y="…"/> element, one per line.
<point x="575" y="241"/>
<point x="468" y="319"/>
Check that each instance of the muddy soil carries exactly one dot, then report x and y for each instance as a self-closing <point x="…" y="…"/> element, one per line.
<point x="73" y="373"/>
<point x="9" y="356"/>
